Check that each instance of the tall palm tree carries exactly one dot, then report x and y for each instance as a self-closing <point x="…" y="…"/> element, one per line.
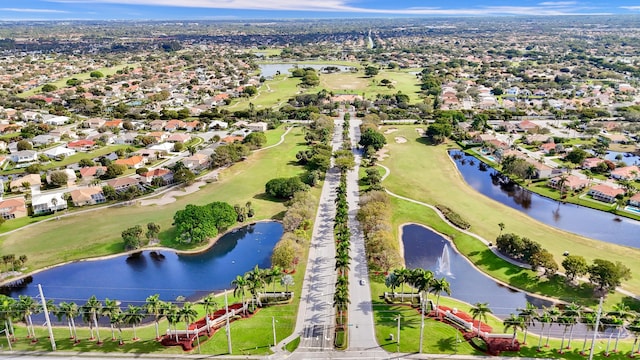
<point x="403" y="276"/>
<point x="623" y="313"/>
<point x="528" y="314"/>
<point x="274" y="273"/>
<point x="589" y="320"/>
<point x="172" y="313"/>
<point x="8" y="312"/>
<point x="153" y="307"/>
<point x="573" y="311"/>
<point x="187" y="314"/>
<point x="286" y="281"/>
<point x="209" y="302"/>
<point x="240" y="284"/>
<point x="514" y="322"/>
<point x="134" y="316"/>
<point x="438" y="286"/>
<point x="110" y="309"/>
<point x="479" y="311"/>
<point x="27" y="306"/>
<point x="91" y="309"/>
<point x="342" y="263"/>
<point x="634" y="328"/>
<point x="391" y="281"/>
<point x="554" y="313"/>
<point x="116" y="320"/>
<point x="341" y="300"/>
<point x="543" y="318"/>
<point x="566" y="321"/>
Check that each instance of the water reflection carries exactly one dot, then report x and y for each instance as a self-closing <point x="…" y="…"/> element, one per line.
<point x="591" y="223"/>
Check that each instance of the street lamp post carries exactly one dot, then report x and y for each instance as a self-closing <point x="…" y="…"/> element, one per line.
<point x="273" y="326"/>
<point x="398" y="334"/>
<point x="421" y="325"/>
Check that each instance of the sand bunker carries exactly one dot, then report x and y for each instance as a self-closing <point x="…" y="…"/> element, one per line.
<point x="400" y="140"/>
<point x="420" y="131"/>
<point x="390" y="130"/>
<point x="382" y="154"/>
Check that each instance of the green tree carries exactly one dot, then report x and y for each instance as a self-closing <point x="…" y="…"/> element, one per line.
<point x="59" y="178"/>
<point x="24" y="145"/>
<point x="513" y="322"/>
<point x="240" y="284"/>
<point x="110" y="309"/>
<point x="90" y="311"/>
<point x="49" y="88"/>
<point x="209" y="302"/>
<point x="114" y="170"/>
<point x="26" y="307"/>
<point x="134" y="316"/>
<point x="184" y="176"/>
<point x="575" y="266"/>
<point x="372" y="137"/>
<point x="250" y="90"/>
<point x="607" y="275"/>
<point x="153" y="307"/>
<point x="439" y="286"/>
<point x="188" y="314"/>
<point x="96" y="74"/>
<point x="132" y="237"/>
<point x="255" y="140"/>
<point x="371" y="71"/>
<point x="479" y="311"/>
<point x="284" y="188"/>
<point x="194" y="224"/>
<point x="70" y="311"/>
<point x="528" y="315"/>
<point x="153" y="230"/>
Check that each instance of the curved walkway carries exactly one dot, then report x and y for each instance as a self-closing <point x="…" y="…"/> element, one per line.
<point x="485" y="241"/>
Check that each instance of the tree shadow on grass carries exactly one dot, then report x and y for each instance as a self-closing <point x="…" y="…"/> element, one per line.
<point x="446" y="344"/>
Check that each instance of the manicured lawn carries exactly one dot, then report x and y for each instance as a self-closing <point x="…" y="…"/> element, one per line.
<point x="424" y="172"/>
<point x="98" y="233"/>
<point x="402" y="81"/>
<point x="441" y="338"/>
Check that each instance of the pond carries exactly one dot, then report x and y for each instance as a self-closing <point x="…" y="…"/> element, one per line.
<point x="133" y="278"/>
<point x="628" y="158"/>
<point x="270" y="70"/>
<point x="580" y="220"/>
<point x="426" y="249"/>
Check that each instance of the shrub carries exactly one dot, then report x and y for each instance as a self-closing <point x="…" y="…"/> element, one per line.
<point x="453" y="217"/>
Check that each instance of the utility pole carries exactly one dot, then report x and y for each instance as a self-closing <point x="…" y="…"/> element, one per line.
<point x="46" y="316"/>
<point x="421" y="325"/>
<point x="273" y="326"/>
<point x="595" y="330"/>
<point x="398" y="334"/>
<point x="226" y="306"/>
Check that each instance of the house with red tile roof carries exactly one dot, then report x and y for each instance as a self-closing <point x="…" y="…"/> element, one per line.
<point x="179" y="138"/>
<point x="196" y="161"/>
<point x="134" y="162"/>
<point x="165" y="174"/>
<point x="589" y="163"/>
<point x="626" y="173"/>
<point x="526" y="125"/>
<point x="113" y="124"/>
<point x="635" y="200"/>
<point x="81" y="145"/>
<point x="605" y="193"/>
<point x="173" y="125"/>
<point x="90" y="172"/>
<point x="572" y="183"/>
<point x="13" y="208"/>
<point x="123" y="183"/>
<point x="232" y="139"/>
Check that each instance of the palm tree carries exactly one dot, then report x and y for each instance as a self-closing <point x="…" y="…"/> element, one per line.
<point x="8" y="312"/>
<point x="501" y="226"/>
<point x="91" y="309"/>
<point x="153" y="307"/>
<point x="27" y="306"/>
<point x="566" y="321"/>
<point x="391" y="281"/>
<point x="274" y="273"/>
<point x="69" y="311"/>
<point x="562" y="181"/>
<point x="341" y="301"/>
<point x="342" y="263"/>
<point x="573" y="311"/>
<point x="479" y="311"/>
<point x="634" y="328"/>
<point x="209" y="303"/>
<point x="286" y="281"/>
<point x="240" y="284"/>
<point x="589" y="320"/>
<point x="187" y="314"/>
<point x="543" y="318"/>
<point x="403" y="276"/>
<point x="134" y="316"/>
<point x="622" y="312"/>
<point x="438" y="286"/>
<point x="528" y="314"/>
<point x="172" y="313"/>
<point x="116" y="320"/>
<point x="553" y="312"/>
<point x="109" y="309"/>
<point x="514" y="322"/>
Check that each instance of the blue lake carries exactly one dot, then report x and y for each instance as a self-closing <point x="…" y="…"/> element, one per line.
<point x="132" y="279"/>
<point x="270" y="70"/>
<point x="580" y="220"/>
<point x="423" y="248"/>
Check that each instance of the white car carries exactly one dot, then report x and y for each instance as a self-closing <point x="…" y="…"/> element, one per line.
<point x="361" y="282"/>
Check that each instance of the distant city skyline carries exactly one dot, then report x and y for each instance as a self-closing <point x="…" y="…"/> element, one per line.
<point x="272" y="9"/>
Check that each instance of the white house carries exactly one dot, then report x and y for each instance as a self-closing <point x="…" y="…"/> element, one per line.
<point x="55" y="120"/>
<point x="59" y="152"/>
<point x="24" y="156"/>
<point x="50" y="202"/>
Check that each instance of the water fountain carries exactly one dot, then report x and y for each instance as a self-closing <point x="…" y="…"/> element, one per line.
<point x="444" y="262"/>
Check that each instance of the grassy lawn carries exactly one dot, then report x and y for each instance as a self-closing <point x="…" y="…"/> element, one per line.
<point x="98" y="233"/>
<point x="402" y="81"/>
<point x="441" y="338"/>
<point x="426" y="173"/>
<point x="276" y="91"/>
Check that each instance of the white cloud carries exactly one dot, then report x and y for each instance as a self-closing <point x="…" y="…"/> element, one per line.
<point x="633" y="8"/>
<point x="32" y="10"/>
<point x="544" y="8"/>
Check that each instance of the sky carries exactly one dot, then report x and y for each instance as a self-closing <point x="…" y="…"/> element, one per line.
<point x="274" y="9"/>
